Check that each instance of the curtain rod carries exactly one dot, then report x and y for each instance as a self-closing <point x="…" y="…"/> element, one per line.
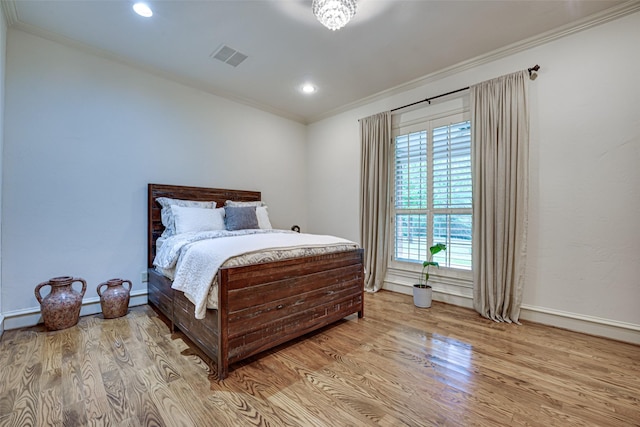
<point x="531" y="71"/>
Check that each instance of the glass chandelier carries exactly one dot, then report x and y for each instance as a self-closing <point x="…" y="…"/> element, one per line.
<point x="334" y="14"/>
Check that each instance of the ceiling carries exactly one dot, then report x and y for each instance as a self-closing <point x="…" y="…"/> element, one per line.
<point x="386" y="45"/>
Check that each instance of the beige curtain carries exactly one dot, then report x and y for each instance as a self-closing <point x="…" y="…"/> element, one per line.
<point x="375" y="137"/>
<point x="500" y="157"/>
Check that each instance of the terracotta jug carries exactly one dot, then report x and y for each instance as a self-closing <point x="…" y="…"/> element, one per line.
<point x="115" y="299"/>
<point x="61" y="308"/>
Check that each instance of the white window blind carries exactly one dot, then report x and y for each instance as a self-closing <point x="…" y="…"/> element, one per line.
<point x="411" y="171"/>
<point x="432" y="199"/>
<point x="452" y="166"/>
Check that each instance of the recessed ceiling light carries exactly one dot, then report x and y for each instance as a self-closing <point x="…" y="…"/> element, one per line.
<point x="143" y="9"/>
<point x="308" y="88"/>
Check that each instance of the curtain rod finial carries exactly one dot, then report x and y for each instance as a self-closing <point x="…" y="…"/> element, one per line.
<point x="533" y="71"/>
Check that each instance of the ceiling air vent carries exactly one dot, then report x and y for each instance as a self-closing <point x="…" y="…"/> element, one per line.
<point x="229" y="55"/>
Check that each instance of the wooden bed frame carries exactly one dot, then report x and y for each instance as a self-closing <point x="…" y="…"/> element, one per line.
<point x="260" y="305"/>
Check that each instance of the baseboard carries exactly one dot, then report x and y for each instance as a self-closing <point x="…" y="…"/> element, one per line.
<point x="32" y="316"/>
<point x="1" y="325"/>
<point x="453" y="289"/>
<point x="621" y="331"/>
<point x="613" y="329"/>
<point x="448" y="296"/>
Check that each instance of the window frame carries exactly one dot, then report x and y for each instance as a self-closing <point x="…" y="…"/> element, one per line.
<point x="461" y="277"/>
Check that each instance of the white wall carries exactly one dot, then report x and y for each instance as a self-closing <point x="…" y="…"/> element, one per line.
<point x="584" y="237"/>
<point x="83" y="137"/>
<point x="3" y="39"/>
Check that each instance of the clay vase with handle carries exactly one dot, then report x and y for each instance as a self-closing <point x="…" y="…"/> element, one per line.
<point x="61" y="307"/>
<point x="115" y="299"/>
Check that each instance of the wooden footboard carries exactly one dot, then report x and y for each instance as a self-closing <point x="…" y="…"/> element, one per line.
<point x="264" y="305"/>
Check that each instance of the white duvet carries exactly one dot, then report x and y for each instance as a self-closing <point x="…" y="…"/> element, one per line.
<point x="195" y="258"/>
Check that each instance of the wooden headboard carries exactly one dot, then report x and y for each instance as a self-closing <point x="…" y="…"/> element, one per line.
<point x="218" y="195"/>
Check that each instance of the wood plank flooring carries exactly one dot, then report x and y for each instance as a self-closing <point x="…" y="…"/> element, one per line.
<point x="398" y="366"/>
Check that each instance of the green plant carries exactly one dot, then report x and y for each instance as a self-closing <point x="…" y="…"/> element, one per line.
<point x="437" y="248"/>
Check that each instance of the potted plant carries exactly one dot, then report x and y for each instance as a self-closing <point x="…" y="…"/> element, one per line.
<point x="422" y="290"/>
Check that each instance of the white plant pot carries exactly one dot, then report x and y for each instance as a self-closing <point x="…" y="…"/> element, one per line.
<point x="422" y="296"/>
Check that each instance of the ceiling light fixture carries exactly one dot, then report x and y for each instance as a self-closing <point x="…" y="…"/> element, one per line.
<point x="143" y="9"/>
<point x="334" y="14"/>
<point x="308" y="88"/>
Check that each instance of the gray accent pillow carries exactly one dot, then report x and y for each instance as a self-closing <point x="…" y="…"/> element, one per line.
<point x="240" y="217"/>
<point x="234" y="203"/>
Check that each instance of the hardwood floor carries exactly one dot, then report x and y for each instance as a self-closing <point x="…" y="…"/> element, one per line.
<point x="400" y="365"/>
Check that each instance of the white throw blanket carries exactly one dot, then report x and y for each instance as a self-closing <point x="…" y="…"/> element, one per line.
<point x="198" y="256"/>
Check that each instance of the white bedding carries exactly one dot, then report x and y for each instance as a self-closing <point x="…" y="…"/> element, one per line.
<point x="193" y="259"/>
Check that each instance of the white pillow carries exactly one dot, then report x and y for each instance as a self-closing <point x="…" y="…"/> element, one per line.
<point x="263" y="218"/>
<point x="197" y="219"/>
<point x="166" y="215"/>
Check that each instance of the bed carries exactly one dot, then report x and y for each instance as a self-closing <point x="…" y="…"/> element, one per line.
<point x="260" y="305"/>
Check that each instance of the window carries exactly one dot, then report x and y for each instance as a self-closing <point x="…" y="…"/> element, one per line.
<point x="432" y="199"/>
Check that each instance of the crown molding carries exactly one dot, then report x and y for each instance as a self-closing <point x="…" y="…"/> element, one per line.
<point x="605" y="16"/>
<point x="10" y="12"/>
